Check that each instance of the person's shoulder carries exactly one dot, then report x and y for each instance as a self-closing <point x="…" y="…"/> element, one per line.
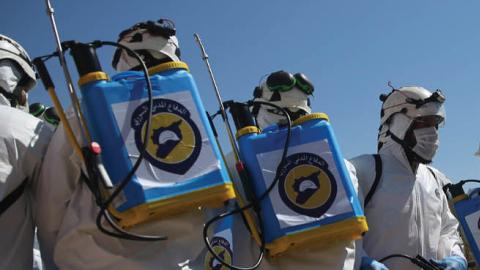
<point x="14" y="115"/>
<point x="363" y="161"/>
<point x="20" y="124"/>
<point x="364" y="169"/>
<point x="440" y="176"/>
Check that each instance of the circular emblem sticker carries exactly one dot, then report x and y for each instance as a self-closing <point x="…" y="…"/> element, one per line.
<point x="222" y="248"/>
<point x="306" y="185"/>
<point x="175" y="141"/>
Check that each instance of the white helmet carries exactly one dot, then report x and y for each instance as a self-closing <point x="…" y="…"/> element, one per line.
<point x="401" y="107"/>
<point x="284" y="90"/>
<point x="10" y="49"/>
<point x="155" y="42"/>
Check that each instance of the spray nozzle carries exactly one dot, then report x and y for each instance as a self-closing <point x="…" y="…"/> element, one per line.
<point x="43" y="73"/>
<point x="228" y="103"/>
<point x="242" y="117"/>
<point x="68" y="44"/>
<point x="454" y="190"/>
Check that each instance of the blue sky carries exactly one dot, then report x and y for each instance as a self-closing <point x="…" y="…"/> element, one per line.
<point x="349" y="49"/>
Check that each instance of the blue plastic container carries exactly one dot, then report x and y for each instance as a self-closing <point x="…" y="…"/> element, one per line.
<point x="314" y="200"/>
<point x="467" y="211"/>
<point x="183" y="167"/>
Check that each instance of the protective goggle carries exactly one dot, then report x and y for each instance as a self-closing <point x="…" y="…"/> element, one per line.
<point x="428" y="121"/>
<point x="49" y="114"/>
<point x="284" y="81"/>
<point x="36" y="109"/>
<point x="162" y="27"/>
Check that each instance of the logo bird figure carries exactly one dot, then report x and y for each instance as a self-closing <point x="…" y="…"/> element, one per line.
<point x="167" y="138"/>
<point x="306" y="186"/>
<point x="214" y="263"/>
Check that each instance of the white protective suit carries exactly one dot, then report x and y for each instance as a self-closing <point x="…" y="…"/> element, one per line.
<point x="68" y="235"/>
<point x="23" y="142"/>
<point x="337" y="256"/>
<point x="408" y="213"/>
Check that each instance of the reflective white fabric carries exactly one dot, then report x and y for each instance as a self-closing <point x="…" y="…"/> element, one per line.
<point x="37" y="258"/>
<point x="70" y="239"/>
<point x="23" y="141"/>
<point x="408" y="213"/>
<point x="337" y="256"/>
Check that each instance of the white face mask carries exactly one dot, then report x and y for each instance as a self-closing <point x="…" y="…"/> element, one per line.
<point x="9" y="76"/>
<point x="427" y="142"/>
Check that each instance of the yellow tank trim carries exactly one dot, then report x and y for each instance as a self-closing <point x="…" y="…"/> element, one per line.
<point x="459" y="198"/>
<point x="247" y="130"/>
<point x="309" y="117"/>
<point x="168" y="66"/>
<point x="92" y="77"/>
<point x="210" y="197"/>
<point x="350" y="229"/>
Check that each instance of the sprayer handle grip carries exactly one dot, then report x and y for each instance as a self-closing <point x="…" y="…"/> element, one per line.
<point x="247" y="185"/>
<point x="43" y="73"/>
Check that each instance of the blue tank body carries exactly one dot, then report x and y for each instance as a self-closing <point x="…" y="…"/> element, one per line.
<point x="182" y="167"/>
<point x="314" y="198"/>
<point x="468" y="214"/>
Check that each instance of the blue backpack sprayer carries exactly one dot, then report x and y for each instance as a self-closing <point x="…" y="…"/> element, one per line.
<point x="150" y="150"/>
<point x="467" y="210"/>
<point x="294" y="178"/>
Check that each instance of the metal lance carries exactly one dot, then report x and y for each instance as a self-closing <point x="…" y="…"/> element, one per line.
<point x="219" y="99"/>
<point x="75" y="103"/>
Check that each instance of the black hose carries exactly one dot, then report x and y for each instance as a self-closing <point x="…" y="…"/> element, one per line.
<point x="395" y="256"/>
<point x="253" y="203"/>
<point x="121" y="233"/>
<point x="470" y="181"/>
<point x="418" y="260"/>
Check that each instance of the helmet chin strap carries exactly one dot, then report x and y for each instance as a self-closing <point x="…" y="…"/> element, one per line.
<point x="20" y="99"/>
<point x="10" y="96"/>
<point x="411" y="155"/>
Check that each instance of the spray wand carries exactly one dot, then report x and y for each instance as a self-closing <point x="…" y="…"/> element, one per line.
<point x="241" y="170"/>
<point x="76" y="104"/>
